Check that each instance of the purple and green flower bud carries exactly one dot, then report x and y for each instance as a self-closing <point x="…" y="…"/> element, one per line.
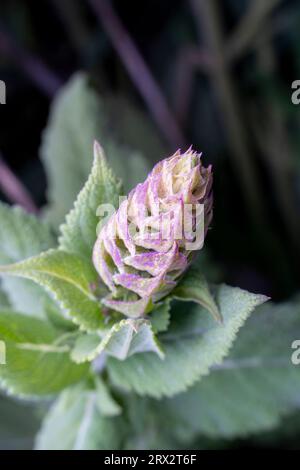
<point x="149" y="242"/>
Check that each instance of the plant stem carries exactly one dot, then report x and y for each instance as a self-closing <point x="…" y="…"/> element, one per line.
<point x="273" y="142"/>
<point x="247" y="29"/>
<point x="14" y="190"/>
<point x="207" y="16"/>
<point x="46" y="80"/>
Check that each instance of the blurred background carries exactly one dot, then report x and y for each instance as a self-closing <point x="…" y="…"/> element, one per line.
<point x="209" y="73"/>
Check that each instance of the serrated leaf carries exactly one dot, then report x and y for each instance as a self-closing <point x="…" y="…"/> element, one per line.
<point x="36" y="364"/>
<point x="132" y="337"/>
<point x="57" y="317"/>
<point x="68" y="278"/>
<point x="75" y="423"/>
<point x="79" y="233"/>
<point x="253" y="388"/>
<point x="160" y="317"/>
<point x="192" y="345"/>
<point x="124" y="339"/>
<point x="86" y="348"/>
<point x="22" y="235"/>
<point x="78" y="117"/>
<point x="193" y="287"/>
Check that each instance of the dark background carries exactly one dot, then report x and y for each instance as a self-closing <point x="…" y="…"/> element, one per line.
<point x="226" y="72"/>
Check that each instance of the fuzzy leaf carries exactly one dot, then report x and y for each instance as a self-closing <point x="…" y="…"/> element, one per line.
<point x="21" y="236"/>
<point x="253" y="388"/>
<point x="106" y="404"/>
<point x="79" y="233"/>
<point x="86" y="348"/>
<point x="75" y="423"/>
<point x="160" y="317"/>
<point x="192" y="345"/>
<point x="36" y="364"/>
<point x="78" y="117"/>
<point x="68" y="277"/>
<point x="124" y="339"/>
<point x="193" y="287"/>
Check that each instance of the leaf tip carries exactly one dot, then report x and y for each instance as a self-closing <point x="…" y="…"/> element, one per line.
<point x="98" y="151"/>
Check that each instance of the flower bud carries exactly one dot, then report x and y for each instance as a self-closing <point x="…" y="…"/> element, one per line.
<point x="149" y="242"/>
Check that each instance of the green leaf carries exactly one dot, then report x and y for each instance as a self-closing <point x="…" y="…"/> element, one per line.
<point x="130" y="337"/>
<point x="79" y="233"/>
<point x="124" y="339"/>
<point x="57" y="317"/>
<point x="192" y="345"/>
<point x="75" y="423"/>
<point x="193" y="287"/>
<point x="160" y="317"/>
<point x="36" y="364"/>
<point x="106" y="404"/>
<point x="68" y="278"/>
<point x="284" y="436"/>
<point x="149" y="428"/>
<point x="18" y="424"/>
<point x="253" y="388"/>
<point x="86" y="348"/>
<point x="22" y="235"/>
<point x="4" y="302"/>
<point x="78" y="117"/>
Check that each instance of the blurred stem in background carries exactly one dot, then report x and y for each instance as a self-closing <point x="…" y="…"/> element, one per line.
<point x="208" y="22"/>
<point x="139" y="73"/>
<point x="14" y="190"/>
<point x="33" y="67"/>
<point x="270" y="131"/>
<point x="71" y="16"/>
<point x="249" y="26"/>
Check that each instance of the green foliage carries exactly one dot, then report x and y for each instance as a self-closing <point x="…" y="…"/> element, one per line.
<point x="4" y="302"/>
<point x="69" y="278"/>
<point x="160" y="316"/>
<point x="19" y="424"/>
<point x="75" y="422"/>
<point x="106" y="404"/>
<point x="194" y="287"/>
<point x="213" y="382"/>
<point x="252" y="389"/>
<point x="192" y="345"/>
<point x="78" y="117"/>
<point x="124" y="339"/>
<point x="21" y="236"/>
<point x="36" y="364"/>
<point x="78" y="234"/>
